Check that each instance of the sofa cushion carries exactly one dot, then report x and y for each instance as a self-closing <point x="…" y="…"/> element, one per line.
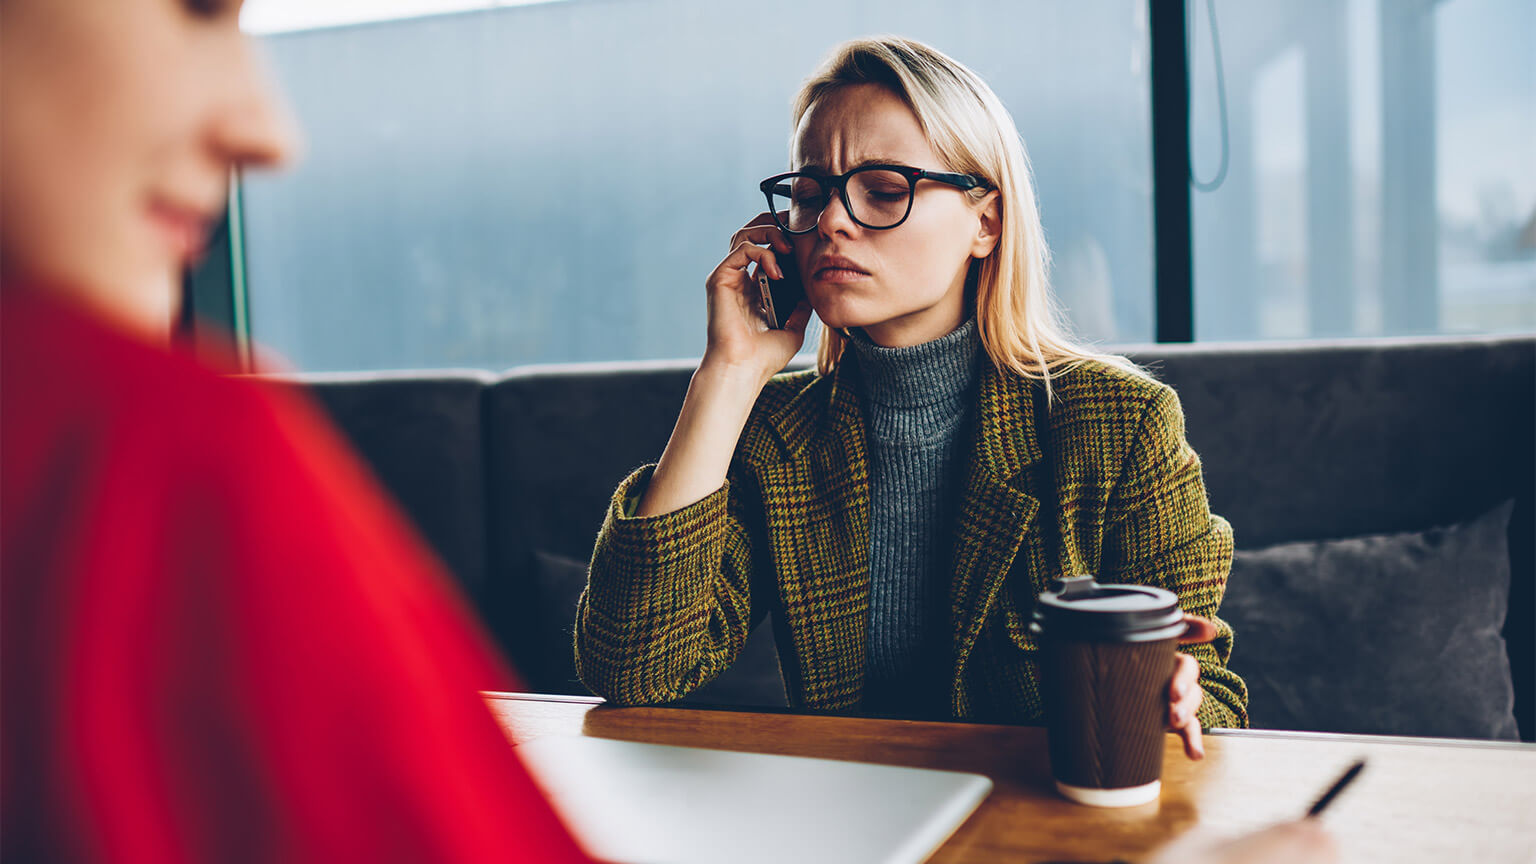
<point x="1395" y="634"/>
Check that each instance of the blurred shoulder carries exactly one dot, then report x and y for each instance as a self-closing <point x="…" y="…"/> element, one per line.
<point x="84" y="384"/>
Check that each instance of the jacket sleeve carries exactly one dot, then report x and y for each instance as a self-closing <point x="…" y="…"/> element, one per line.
<point x="667" y="606"/>
<point x="1160" y="531"/>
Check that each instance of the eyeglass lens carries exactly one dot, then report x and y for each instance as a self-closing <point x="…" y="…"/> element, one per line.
<point x="877" y="198"/>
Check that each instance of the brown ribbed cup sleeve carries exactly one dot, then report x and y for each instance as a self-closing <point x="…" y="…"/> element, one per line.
<point x="1106" y="708"/>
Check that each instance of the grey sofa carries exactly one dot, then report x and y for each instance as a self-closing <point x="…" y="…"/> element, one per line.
<point x="1379" y="586"/>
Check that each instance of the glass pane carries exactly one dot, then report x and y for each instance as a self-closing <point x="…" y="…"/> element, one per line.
<point x="281" y="16"/>
<point x="554" y="182"/>
<point x="1380" y="174"/>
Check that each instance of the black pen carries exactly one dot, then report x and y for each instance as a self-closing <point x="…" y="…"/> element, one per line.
<point x="1336" y="788"/>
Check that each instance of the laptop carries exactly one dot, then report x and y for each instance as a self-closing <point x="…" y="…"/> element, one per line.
<point x="634" y="803"/>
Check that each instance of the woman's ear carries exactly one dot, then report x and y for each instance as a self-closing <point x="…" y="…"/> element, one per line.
<point x="989" y="224"/>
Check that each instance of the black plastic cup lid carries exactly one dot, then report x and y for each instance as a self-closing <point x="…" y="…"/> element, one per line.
<point x="1079" y="608"/>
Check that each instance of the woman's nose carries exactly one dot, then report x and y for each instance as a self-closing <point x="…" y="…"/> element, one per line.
<point x="256" y="127"/>
<point x="835" y="218"/>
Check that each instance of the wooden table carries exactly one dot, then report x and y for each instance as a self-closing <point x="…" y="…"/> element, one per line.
<point x="1419" y="799"/>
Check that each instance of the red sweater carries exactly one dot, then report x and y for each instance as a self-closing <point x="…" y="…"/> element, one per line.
<point x="219" y="640"/>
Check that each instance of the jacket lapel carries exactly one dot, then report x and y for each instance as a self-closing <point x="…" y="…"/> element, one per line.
<point x="995" y="513"/>
<point x="816" y="503"/>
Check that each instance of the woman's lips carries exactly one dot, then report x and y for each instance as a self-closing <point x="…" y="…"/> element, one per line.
<point x="839" y="274"/>
<point x="185" y="229"/>
<point x="835" y="268"/>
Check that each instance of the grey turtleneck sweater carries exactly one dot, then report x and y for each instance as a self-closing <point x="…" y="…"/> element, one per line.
<point x="916" y="402"/>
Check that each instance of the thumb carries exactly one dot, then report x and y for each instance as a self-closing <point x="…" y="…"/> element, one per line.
<point x="1197" y="629"/>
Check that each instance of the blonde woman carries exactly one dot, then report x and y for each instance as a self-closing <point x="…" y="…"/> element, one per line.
<point x="899" y="508"/>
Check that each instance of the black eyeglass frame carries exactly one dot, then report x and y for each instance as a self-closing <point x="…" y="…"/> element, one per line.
<point x="839" y="182"/>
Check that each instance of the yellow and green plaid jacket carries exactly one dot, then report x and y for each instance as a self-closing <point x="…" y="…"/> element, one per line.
<point x="671" y="599"/>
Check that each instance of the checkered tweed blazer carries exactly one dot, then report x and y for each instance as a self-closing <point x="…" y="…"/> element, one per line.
<point x="671" y="599"/>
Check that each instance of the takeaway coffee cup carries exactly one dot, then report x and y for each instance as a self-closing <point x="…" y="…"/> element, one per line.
<point x="1107" y="659"/>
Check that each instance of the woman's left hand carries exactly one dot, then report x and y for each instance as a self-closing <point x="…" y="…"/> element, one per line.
<point x="1185" y="693"/>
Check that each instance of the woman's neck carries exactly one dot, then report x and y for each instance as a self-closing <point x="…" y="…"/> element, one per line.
<point x="924" y="325"/>
<point x="936" y="371"/>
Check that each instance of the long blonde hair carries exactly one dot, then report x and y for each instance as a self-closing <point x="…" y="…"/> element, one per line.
<point x="1021" y="328"/>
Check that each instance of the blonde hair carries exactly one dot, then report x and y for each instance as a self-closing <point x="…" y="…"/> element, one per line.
<point x="1021" y="328"/>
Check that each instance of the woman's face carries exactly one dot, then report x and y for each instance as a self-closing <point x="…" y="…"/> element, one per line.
<point x="119" y="123"/>
<point x="904" y="285"/>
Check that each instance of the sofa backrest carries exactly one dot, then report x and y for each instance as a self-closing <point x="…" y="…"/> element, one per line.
<point x="509" y="476"/>
<point x="1310" y="441"/>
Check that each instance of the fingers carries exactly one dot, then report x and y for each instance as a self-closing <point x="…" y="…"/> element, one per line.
<point x="744" y="254"/>
<point x="1194" y="740"/>
<point x="763" y="231"/>
<point x="1184" y="698"/>
<point x="1304" y="840"/>
<point x="748" y="245"/>
<point x="1301" y="842"/>
<point x="738" y="335"/>
<point x="1313" y="840"/>
<point x="1197" y="629"/>
<point x="1186" y="679"/>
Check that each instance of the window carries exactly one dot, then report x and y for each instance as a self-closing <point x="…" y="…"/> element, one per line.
<point x="1379" y="178"/>
<point x="281" y="16"/>
<point x="553" y="183"/>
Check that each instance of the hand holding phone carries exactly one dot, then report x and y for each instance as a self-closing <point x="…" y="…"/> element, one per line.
<point x="780" y="297"/>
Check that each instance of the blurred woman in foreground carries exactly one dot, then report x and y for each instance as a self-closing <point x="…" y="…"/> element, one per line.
<point x="220" y="641"/>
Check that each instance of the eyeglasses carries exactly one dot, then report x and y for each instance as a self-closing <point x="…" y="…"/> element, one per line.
<point x="875" y="196"/>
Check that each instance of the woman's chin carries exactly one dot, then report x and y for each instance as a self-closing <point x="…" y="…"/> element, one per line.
<point x="839" y="316"/>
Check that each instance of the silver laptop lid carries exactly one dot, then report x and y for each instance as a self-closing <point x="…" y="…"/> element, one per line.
<point x="650" y="803"/>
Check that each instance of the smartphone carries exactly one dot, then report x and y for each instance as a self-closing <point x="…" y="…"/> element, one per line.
<point x="780" y="297"/>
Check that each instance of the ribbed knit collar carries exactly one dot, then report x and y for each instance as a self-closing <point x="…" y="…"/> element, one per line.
<point x="941" y="371"/>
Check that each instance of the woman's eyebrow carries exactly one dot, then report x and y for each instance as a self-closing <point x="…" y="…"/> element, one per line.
<point x="814" y="168"/>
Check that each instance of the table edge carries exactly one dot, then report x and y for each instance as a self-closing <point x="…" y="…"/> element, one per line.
<point x="1284" y="734"/>
<point x="1355" y="738"/>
